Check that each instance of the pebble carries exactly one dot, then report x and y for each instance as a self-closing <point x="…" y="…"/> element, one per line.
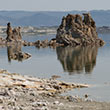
<point x="86" y="95"/>
<point x="1" y="101"/>
<point x="72" y="99"/>
<point x="61" y="104"/>
<point x="56" y="102"/>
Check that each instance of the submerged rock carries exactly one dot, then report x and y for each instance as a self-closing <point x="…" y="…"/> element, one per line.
<point x="77" y="31"/>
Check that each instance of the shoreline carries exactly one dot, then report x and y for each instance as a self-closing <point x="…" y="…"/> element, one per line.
<point x="22" y="92"/>
<point x="49" y="30"/>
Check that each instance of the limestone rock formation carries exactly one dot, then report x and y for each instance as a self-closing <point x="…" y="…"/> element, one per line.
<point x="13" y="34"/>
<point x="46" y="43"/>
<point x="74" y="30"/>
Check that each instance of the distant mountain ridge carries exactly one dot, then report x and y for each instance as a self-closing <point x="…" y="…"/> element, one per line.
<point x="48" y="18"/>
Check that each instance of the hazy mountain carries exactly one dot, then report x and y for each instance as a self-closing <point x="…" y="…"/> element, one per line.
<point x="101" y="17"/>
<point x="28" y="18"/>
<point x="39" y="19"/>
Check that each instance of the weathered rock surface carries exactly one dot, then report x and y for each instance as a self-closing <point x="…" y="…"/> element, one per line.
<point x="13" y="34"/>
<point x="14" y="44"/>
<point x="41" y="85"/>
<point x="77" y="31"/>
<point x="46" y="43"/>
<point x="19" y="92"/>
<point x="73" y="31"/>
<point x="14" y="37"/>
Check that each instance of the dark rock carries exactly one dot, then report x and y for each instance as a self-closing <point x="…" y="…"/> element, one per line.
<point x="77" y="31"/>
<point x="72" y="99"/>
<point x="44" y="43"/>
<point x="13" y="34"/>
<point x="52" y="42"/>
<point x="1" y="101"/>
<point x="38" y="43"/>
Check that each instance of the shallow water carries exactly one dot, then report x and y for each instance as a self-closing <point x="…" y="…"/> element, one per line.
<point x="90" y="65"/>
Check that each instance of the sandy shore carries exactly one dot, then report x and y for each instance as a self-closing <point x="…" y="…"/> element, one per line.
<point x="19" y="92"/>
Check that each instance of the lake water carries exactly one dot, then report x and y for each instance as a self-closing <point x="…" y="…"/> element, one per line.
<point x="90" y="65"/>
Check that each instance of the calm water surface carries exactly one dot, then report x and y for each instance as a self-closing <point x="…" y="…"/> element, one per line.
<point x="90" y="65"/>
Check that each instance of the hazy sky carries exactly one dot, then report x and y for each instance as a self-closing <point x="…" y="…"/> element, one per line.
<point x="54" y="5"/>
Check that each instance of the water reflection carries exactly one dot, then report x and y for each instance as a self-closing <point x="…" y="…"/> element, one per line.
<point x="78" y="59"/>
<point x="14" y="52"/>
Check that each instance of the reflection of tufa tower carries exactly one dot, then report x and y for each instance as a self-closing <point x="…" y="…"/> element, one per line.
<point x="76" y="60"/>
<point x="13" y="34"/>
<point x="14" y="52"/>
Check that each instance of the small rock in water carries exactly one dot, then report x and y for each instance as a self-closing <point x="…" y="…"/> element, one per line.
<point x="72" y="99"/>
<point x="86" y="95"/>
<point x="55" y="76"/>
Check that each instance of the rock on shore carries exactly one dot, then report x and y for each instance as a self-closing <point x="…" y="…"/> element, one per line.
<point x="42" y="85"/>
<point x="19" y="92"/>
<point x="74" y="30"/>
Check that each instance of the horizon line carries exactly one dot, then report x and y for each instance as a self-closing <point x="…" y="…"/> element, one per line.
<point x="57" y="10"/>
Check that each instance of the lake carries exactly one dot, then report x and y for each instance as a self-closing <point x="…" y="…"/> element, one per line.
<point x="88" y="65"/>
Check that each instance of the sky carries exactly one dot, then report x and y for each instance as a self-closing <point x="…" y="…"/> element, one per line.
<point x="54" y="5"/>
